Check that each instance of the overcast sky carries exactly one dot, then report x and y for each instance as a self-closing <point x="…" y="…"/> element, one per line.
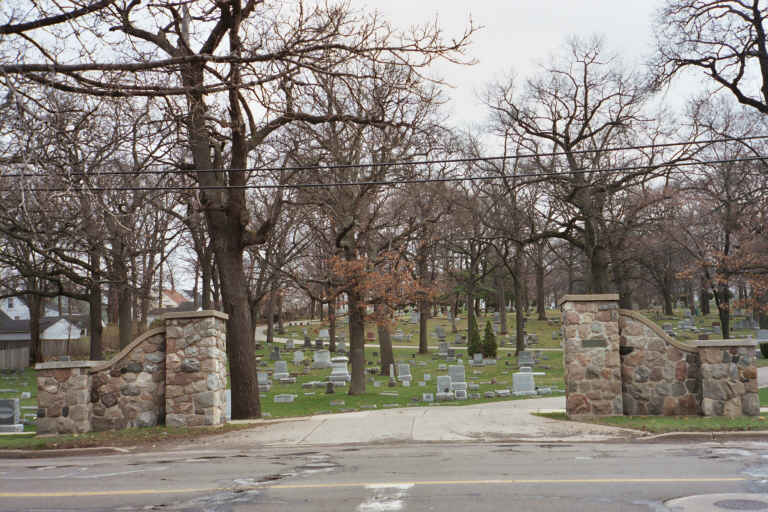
<point x="516" y="34"/>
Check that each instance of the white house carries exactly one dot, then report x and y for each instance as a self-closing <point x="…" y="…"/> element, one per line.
<point x="16" y="308"/>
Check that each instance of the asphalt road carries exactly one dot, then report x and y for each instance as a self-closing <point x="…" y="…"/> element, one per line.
<point x="444" y="477"/>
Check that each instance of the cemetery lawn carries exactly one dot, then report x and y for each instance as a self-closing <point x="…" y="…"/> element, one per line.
<point x="12" y="384"/>
<point x="316" y="401"/>
<point x="542" y="328"/>
<point x="763" y="397"/>
<point x="664" y="424"/>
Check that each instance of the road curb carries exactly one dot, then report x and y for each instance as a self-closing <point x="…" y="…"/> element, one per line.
<point x="710" y="436"/>
<point x="63" y="452"/>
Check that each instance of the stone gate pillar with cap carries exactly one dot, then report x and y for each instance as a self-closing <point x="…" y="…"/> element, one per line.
<point x="591" y="355"/>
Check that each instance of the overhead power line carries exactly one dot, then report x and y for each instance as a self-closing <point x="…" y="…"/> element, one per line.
<point x="393" y="164"/>
<point x="538" y="175"/>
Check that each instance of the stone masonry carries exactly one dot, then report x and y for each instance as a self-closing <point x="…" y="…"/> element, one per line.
<point x="127" y="391"/>
<point x="591" y="357"/>
<point x="195" y="370"/>
<point x="658" y="375"/>
<point x="63" y="397"/>
<point x="175" y="374"/>
<point x="729" y="378"/>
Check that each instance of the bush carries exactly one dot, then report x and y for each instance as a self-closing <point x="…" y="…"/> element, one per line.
<point x="764" y="349"/>
<point x="474" y="343"/>
<point x="489" y="342"/>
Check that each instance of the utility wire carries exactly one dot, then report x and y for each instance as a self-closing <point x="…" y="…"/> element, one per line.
<point x="389" y="164"/>
<point x="612" y="170"/>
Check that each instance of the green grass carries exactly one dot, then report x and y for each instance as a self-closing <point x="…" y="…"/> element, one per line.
<point x="401" y="322"/>
<point x="24" y="381"/>
<point x="663" y="424"/>
<point x="318" y="402"/>
<point x="126" y="437"/>
<point x="764" y="397"/>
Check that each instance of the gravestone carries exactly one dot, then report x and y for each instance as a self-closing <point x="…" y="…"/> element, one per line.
<point x="289" y="344"/>
<point x="523" y="384"/>
<point x="281" y="370"/>
<point x="477" y="359"/>
<point x="457" y="373"/>
<point x="284" y="398"/>
<point x="10" y="415"/>
<point x="319" y="344"/>
<point x="427" y="377"/>
<point x="442" y="348"/>
<point x="427" y="397"/>
<point x="339" y="374"/>
<point x="525" y="359"/>
<point x="440" y="332"/>
<point x="762" y="334"/>
<point x="321" y="359"/>
<point x="459" y="339"/>
<point x="323" y="335"/>
<point x="274" y="355"/>
<point x="443" y="383"/>
<point x="298" y="357"/>
<point x="414" y="317"/>
<point x="341" y="347"/>
<point x="404" y="372"/>
<point x="262" y="378"/>
<point x="307" y="342"/>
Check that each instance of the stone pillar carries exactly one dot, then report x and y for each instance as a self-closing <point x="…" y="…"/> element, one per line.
<point x="728" y="378"/>
<point x="196" y="368"/>
<point x="591" y="355"/>
<point x="64" y="397"/>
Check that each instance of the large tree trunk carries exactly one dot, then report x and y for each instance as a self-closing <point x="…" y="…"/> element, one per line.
<point x="332" y="324"/>
<point x="501" y="301"/>
<point x="541" y="307"/>
<point x="356" y="343"/>
<point x="280" y="326"/>
<point x="724" y="311"/>
<point x="385" y="344"/>
<point x="423" y="334"/>
<point x="271" y="317"/>
<point x="240" y="346"/>
<point x="35" y="310"/>
<point x="94" y="302"/>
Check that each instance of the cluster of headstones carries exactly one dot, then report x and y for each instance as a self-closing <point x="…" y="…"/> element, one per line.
<point x="11" y="419"/>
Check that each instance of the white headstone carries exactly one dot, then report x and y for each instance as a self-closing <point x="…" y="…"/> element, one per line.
<point x="322" y="359"/>
<point x="298" y="357"/>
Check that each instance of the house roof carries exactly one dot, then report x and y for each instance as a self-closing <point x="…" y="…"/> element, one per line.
<point x="10" y="326"/>
<point x="183" y="307"/>
<point x="175" y="296"/>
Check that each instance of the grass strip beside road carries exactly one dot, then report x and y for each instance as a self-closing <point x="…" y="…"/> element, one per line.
<point x="665" y="424"/>
<point x="126" y="437"/>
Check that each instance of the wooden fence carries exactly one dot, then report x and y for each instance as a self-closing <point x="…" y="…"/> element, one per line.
<point x="14" y="355"/>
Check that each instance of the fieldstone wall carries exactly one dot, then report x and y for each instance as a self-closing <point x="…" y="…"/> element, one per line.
<point x="175" y="374"/>
<point x="196" y="370"/>
<point x="660" y="376"/>
<point x="657" y="375"/>
<point x="729" y="379"/>
<point x="128" y="391"/>
<point x="591" y="357"/>
<point x="63" y="397"/>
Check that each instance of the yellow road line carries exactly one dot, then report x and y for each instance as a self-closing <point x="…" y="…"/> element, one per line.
<point x="192" y="490"/>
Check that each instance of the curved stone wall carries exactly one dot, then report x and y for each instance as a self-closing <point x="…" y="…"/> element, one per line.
<point x="659" y="375"/>
<point x="175" y="374"/>
<point x="129" y="390"/>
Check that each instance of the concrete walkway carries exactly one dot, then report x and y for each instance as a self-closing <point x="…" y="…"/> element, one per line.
<point x="509" y="420"/>
<point x="506" y="420"/>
